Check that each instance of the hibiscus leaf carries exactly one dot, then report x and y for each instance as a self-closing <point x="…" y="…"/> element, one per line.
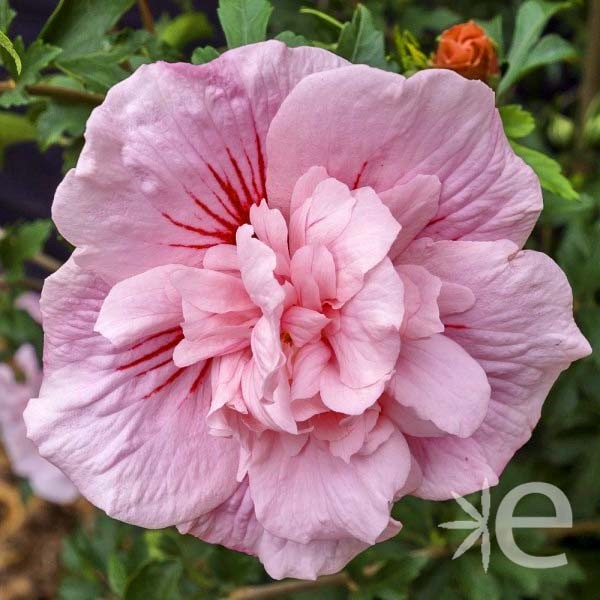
<point x="155" y="581"/>
<point x="548" y="171"/>
<point x="551" y="48"/>
<point x="244" y="21"/>
<point x="185" y="29"/>
<point x="203" y="55"/>
<point x="360" y="42"/>
<point x="21" y="243"/>
<point x="14" y="129"/>
<point x="517" y="122"/>
<point x="79" y="26"/>
<point x="7" y="14"/>
<point x="10" y="57"/>
<point x="532" y="17"/>
<point x="293" y="40"/>
<point x="37" y="56"/>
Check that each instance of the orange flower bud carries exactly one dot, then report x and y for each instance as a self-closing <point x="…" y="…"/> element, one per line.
<point x="466" y="49"/>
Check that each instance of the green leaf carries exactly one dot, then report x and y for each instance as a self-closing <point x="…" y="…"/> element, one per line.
<point x="79" y="26"/>
<point x="548" y="170"/>
<point x="7" y="14"/>
<point x="155" y="581"/>
<point x="360" y="41"/>
<point x="185" y="28"/>
<point x="14" y="129"/>
<point x="99" y="70"/>
<point x="517" y="122"/>
<point x="532" y="17"/>
<point x="292" y="40"/>
<point x="551" y="48"/>
<point x="471" y="576"/>
<point x="244" y="21"/>
<point x="493" y="29"/>
<point x="117" y="575"/>
<point x="14" y="66"/>
<point x="73" y="588"/>
<point x="61" y="119"/>
<point x="21" y="243"/>
<point x="37" y="56"/>
<point x="204" y="55"/>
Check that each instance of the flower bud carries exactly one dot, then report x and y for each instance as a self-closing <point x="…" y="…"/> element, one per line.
<point x="466" y="49"/>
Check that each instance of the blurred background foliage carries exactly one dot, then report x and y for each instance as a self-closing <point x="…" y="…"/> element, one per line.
<point x="549" y="96"/>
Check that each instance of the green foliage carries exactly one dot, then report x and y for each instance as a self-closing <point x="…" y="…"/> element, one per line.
<point x="8" y="50"/>
<point x="410" y="56"/>
<point x="548" y="170"/>
<point x="517" y="122"/>
<point x="184" y="29"/>
<point x="244" y="21"/>
<point x="7" y="14"/>
<point x="79" y="26"/>
<point x="361" y="42"/>
<point x="20" y="243"/>
<point x="14" y="128"/>
<point x="527" y="50"/>
<point x="35" y="58"/>
<point x="204" y="55"/>
<point x="293" y="40"/>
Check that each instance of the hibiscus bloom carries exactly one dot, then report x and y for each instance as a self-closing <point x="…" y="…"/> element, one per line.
<point x="15" y="391"/>
<point x="298" y="294"/>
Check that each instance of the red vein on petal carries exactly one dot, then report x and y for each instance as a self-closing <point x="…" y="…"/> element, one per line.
<point x="138" y="361"/>
<point x="154" y="336"/>
<point x="165" y="383"/>
<point x="218" y="218"/>
<point x="154" y="367"/>
<point x="224" y="236"/>
<point x="231" y="193"/>
<point x="360" y="174"/>
<point x="455" y="326"/>
<point x="192" y="246"/>
<point x="249" y="199"/>
<point x="194" y="387"/>
<point x="261" y="165"/>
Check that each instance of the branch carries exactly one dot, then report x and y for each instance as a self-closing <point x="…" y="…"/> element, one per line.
<point x="146" y="14"/>
<point x="590" y="83"/>
<point x="57" y="92"/>
<point x="277" y="590"/>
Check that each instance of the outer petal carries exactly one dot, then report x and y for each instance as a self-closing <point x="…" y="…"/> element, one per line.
<point x="442" y="384"/>
<point x="520" y="330"/>
<point x="45" y="479"/>
<point x="174" y="158"/>
<point x="234" y="525"/>
<point x="314" y="495"/>
<point x="371" y="128"/>
<point x="126" y="426"/>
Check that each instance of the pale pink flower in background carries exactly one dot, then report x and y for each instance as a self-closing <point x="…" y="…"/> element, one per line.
<point x="45" y="479"/>
<point x="298" y="294"/>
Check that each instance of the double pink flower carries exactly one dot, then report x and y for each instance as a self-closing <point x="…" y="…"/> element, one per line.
<point x="298" y="294"/>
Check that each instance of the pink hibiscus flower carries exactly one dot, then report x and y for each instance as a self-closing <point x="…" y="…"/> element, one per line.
<point x="45" y="479"/>
<point x="298" y="294"/>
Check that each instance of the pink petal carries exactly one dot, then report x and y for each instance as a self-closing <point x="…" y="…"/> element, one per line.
<point x="234" y="524"/>
<point x="45" y="479"/>
<point x="520" y="330"/>
<point x="175" y="157"/>
<point x="413" y="205"/>
<point x="441" y="383"/>
<point x="140" y="306"/>
<point x="308" y="365"/>
<point x="303" y="324"/>
<point x="367" y="343"/>
<point x="313" y="274"/>
<point x="126" y="425"/>
<point x="30" y="303"/>
<point x="421" y="292"/>
<point x="305" y="496"/>
<point x="271" y="229"/>
<point x="371" y="128"/>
